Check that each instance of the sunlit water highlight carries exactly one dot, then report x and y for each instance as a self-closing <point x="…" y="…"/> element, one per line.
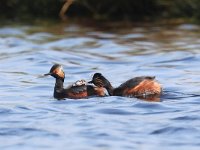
<point x="30" y="118"/>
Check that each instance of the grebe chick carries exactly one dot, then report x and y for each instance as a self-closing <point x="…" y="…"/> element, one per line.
<point x="78" y="90"/>
<point x="140" y="87"/>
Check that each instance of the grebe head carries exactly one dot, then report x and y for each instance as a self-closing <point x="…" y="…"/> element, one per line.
<point x="56" y="71"/>
<point x="99" y="80"/>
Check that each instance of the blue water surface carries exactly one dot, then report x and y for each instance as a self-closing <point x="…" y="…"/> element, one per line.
<point x="30" y="118"/>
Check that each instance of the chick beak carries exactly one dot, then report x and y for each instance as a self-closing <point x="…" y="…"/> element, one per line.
<point x="90" y="82"/>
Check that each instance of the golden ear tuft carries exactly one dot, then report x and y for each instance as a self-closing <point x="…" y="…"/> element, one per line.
<point x="59" y="71"/>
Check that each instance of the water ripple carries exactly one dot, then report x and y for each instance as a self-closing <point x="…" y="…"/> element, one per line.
<point x="114" y="112"/>
<point x="32" y="119"/>
<point x="174" y="130"/>
<point x="24" y="132"/>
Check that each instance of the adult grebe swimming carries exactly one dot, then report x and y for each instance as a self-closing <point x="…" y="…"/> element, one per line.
<point x="77" y="90"/>
<point x="141" y="87"/>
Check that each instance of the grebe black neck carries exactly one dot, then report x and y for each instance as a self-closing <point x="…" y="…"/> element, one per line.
<point x="59" y="84"/>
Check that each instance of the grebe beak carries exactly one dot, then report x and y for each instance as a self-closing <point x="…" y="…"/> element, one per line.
<point x="47" y="74"/>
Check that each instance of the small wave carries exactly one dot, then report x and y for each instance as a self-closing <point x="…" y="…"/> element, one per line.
<point x="113" y="111"/>
<point x="25" y="131"/>
<point x="186" y="118"/>
<point x="5" y="111"/>
<point x="174" y="130"/>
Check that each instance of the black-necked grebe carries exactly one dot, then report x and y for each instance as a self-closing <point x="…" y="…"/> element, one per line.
<point x="75" y="91"/>
<point x="141" y="87"/>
